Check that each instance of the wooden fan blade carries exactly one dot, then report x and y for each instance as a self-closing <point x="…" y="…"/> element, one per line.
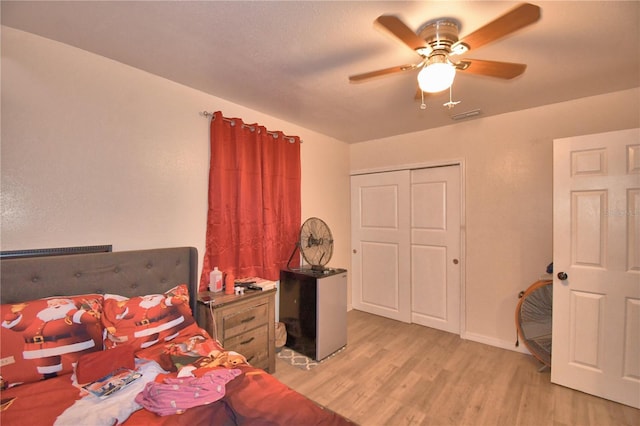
<point x="519" y="17"/>
<point x="367" y="75"/>
<point x="396" y="27"/>
<point x="506" y="70"/>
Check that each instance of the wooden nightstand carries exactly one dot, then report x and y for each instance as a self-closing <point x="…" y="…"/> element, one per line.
<point x="243" y="323"/>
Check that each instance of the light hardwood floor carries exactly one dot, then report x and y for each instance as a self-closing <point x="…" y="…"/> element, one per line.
<point x="392" y="373"/>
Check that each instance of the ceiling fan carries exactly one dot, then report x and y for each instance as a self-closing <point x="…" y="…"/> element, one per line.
<point x="437" y="43"/>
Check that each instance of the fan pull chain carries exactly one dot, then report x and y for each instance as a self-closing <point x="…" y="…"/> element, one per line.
<point x="451" y="104"/>
<point x="422" y="105"/>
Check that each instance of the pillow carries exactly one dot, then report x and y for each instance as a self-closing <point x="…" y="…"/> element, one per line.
<point x="43" y="338"/>
<point x="95" y="365"/>
<point x="143" y="321"/>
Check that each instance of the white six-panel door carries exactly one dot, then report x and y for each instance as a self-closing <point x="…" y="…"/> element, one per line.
<point x="596" y="259"/>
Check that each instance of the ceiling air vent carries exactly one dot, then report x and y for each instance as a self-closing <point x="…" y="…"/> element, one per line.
<point x="467" y="114"/>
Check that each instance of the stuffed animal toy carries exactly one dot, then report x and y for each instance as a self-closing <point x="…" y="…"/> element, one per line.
<point x="227" y="359"/>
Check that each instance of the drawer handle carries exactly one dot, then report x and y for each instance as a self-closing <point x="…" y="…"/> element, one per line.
<point x="248" y="319"/>
<point x="247" y="341"/>
<point x="249" y="359"/>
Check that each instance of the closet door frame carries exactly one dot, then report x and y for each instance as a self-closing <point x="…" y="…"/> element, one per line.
<point x="462" y="258"/>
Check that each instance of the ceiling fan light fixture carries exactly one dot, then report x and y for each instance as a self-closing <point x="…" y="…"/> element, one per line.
<point x="437" y="75"/>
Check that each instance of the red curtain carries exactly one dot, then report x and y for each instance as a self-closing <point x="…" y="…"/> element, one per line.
<point x="253" y="219"/>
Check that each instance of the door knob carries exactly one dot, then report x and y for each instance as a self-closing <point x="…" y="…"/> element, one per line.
<point x="562" y="276"/>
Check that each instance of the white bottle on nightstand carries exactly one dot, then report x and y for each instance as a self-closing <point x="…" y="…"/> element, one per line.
<point x="215" y="280"/>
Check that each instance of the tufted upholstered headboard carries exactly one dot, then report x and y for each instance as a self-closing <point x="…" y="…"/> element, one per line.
<point x="128" y="273"/>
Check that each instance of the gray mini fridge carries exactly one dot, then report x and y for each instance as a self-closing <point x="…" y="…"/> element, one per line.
<point x="313" y="307"/>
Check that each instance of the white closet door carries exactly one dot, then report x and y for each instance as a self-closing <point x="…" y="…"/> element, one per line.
<point x="435" y="248"/>
<point x="380" y="243"/>
<point x="406" y="245"/>
<point x="596" y="251"/>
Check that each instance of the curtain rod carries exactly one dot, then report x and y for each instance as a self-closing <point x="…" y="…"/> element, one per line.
<point x="211" y="116"/>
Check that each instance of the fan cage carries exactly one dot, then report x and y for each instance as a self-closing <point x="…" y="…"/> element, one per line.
<point x="310" y="245"/>
<point x="534" y="319"/>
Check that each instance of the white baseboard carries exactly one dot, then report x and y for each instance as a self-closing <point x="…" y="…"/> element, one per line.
<point x="492" y="341"/>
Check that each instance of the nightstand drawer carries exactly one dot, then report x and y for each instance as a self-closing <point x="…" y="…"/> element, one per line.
<point x="253" y="345"/>
<point x="238" y="322"/>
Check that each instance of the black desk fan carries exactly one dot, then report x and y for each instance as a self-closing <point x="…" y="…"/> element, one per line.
<point x="315" y="244"/>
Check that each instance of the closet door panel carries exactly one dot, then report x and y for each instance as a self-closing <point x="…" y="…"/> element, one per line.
<point x="380" y="244"/>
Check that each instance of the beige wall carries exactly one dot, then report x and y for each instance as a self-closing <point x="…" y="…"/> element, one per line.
<point x="508" y="194"/>
<point x="96" y="152"/>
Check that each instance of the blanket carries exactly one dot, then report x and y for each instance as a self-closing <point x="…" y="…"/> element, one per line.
<point x="116" y="408"/>
<point x="250" y="397"/>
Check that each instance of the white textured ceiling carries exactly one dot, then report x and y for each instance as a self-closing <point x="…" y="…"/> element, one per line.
<point x="292" y="59"/>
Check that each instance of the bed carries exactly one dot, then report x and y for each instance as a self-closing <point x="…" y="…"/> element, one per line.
<point x="102" y="294"/>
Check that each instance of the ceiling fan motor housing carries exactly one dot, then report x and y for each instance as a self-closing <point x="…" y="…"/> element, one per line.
<point x="440" y="34"/>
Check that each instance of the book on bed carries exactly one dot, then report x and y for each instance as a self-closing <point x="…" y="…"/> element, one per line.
<point x="112" y="382"/>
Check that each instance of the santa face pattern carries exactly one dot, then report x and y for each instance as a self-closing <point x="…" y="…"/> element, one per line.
<point x="146" y="320"/>
<point x="45" y="337"/>
<point x="54" y="327"/>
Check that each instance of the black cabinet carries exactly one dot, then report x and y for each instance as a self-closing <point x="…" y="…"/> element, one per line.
<point x="313" y="307"/>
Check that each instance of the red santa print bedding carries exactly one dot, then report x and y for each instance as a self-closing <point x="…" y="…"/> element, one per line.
<point x="43" y="338"/>
<point x="146" y="320"/>
<point x="54" y="349"/>
<point x="219" y="388"/>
